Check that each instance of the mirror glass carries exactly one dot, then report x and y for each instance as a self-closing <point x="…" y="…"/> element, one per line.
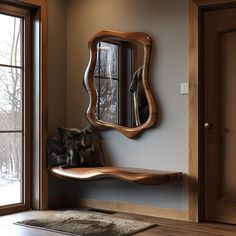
<point x="116" y="80"/>
<point x="118" y="73"/>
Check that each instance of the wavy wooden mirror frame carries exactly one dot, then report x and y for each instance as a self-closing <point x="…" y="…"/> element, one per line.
<point x="134" y="37"/>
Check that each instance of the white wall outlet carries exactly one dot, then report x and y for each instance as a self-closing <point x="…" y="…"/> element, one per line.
<point x="183" y="88"/>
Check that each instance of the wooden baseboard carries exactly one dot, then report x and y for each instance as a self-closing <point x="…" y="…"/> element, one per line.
<point x="121" y="207"/>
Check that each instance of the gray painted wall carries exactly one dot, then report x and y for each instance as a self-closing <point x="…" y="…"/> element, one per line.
<point x="164" y="147"/>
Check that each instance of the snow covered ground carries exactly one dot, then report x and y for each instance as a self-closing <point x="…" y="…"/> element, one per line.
<point x="10" y="191"/>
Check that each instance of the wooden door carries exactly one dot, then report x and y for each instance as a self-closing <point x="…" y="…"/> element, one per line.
<point x="220" y="114"/>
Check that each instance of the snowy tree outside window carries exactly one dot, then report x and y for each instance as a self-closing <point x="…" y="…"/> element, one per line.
<point x="106" y="79"/>
<point x="11" y="109"/>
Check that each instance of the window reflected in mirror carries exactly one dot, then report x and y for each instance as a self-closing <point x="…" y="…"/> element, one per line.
<point x="121" y="98"/>
<point x="107" y="79"/>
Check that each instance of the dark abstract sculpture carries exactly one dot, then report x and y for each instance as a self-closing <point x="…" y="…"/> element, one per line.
<point x="75" y="148"/>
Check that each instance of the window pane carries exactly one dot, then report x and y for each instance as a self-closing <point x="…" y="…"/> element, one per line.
<point x="107" y="100"/>
<point x="10" y="168"/>
<point x="10" y="98"/>
<point x="11" y="40"/>
<point x="107" y="61"/>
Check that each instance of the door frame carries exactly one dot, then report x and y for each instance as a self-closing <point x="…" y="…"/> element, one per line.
<point x="196" y="104"/>
<point x="40" y="99"/>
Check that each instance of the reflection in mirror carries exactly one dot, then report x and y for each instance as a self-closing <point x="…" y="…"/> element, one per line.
<point x="107" y="82"/>
<point x="116" y="80"/>
<point x="121" y="98"/>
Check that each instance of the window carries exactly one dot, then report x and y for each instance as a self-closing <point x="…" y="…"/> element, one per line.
<point x="107" y="82"/>
<point x="15" y="106"/>
<point x="115" y="65"/>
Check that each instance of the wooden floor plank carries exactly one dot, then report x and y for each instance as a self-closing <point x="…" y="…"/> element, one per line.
<point x="165" y="226"/>
<point x="169" y="231"/>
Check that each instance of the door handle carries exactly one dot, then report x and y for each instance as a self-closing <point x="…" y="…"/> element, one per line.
<point x="207" y="125"/>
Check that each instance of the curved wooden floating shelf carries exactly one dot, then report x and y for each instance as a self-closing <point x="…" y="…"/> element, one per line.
<point x="133" y="175"/>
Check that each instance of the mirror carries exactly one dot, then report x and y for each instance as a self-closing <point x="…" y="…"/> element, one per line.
<point x="116" y="80"/>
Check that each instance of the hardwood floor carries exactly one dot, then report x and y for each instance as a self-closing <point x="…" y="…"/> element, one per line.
<point x="8" y="228"/>
<point x="181" y="228"/>
<point x="164" y="227"/>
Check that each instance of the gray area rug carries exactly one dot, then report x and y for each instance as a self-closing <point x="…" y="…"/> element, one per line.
<point x="87" y="223"/>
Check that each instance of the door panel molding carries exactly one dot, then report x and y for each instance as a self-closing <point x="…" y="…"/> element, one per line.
<point x="196" y="109"/>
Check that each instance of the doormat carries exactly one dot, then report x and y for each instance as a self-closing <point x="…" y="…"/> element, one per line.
<point x="73" y="222"/>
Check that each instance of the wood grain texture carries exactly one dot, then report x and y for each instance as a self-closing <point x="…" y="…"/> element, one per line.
<point x="228" y="49"/>
<point x="219" y="58"/>
<point x="196" y="171"/>
<point x="176" y="227"/>
<point x="133" y="175"/>
<point x="145" y="210"/>
<point x="193" y="111"/>
<point x="135" y="37"/>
